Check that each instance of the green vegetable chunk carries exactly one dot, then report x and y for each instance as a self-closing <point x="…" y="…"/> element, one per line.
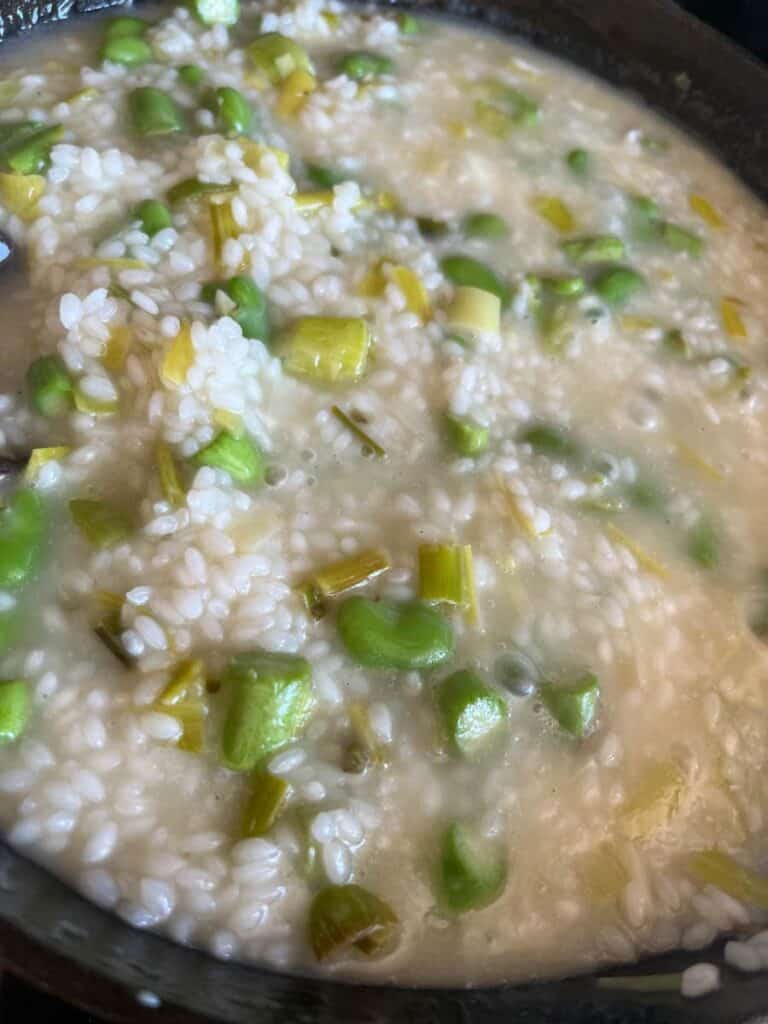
<point x="573" y="707"/>
<point x="153" y="216"/>
<point x="344" y="916"/>
<point x="25" y="146"/>
<point x="125" y="27"/>
<point x="465" y="271"/>
<point x="408" y="25"/>
<point x="703" y="544"/>
<point x="250" y="305"/>
<point x="130" y="51"/>
<point x="238" y="456"/>
<point x="472" y="712"/>
<point x="394" y="634"/>
<point x="363" y="66"/>
<point x="14" y="709"/>
<point x="276" y="56"/>
<point x="472" y="873"/>
<point x="485" y="225"/>
<point x="578" y="162"/>
<point x="270" y="703"/>
<point x="22" y="534"/>
<point x="152" y="112"/>
<point x="565" y="287"/>
<point x="191" y="74"/>
<point x="325" y="177"/>
<point x="265" y="804"/>
<point x="681" y="240"/>
<point x="644" y="218"/>
<point x="465" y="436"/>
<point x="216" y="12"/>
<point x="100" y="524"/>
<point x="9" y="624"/>
<point x="234" y="111"/>
<point x="49" y="386"/>
<point x="617" y="285"/>
<point x="552" y="441"/>
<point x="594" y="249"/>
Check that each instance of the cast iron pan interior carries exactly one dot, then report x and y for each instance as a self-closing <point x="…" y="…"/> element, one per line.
<point x="55" y="939"/>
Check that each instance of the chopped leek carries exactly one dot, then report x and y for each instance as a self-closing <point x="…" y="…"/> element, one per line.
<point x="354" y="427"/>
<point x="311" y="202"/>
<point x="294" y="92"/>
<point x="641" y="556"/>
<point x="167" y="470"/>
<point x="472" y="713"/>
<point x="326" y="349"/>
<point x="253" y="152"/>
<point x="117" y="348"/>
<point x="184" y="699"/>
<point x="467" y="438"/>
<point x="267" y="800"/>
<point x="15" y="706"/>
<point x="20" y="193"/>
<point x="362" y="66"/>
<point x="503" y="108"/>
<point x="94" y="406"/>
<point x="100" y="524"/>
<point x="681" y="239"/>
<point x="40" y="457"/>
<point x="574" y="707"/>
<point x="193" y="188"/>
<point x="552" y="441"/>
<point x="351" y="572"/>
<point x="555" y="212"/>
<point x="719" y="869"/>
<point x="443" y="573"/>
<point x="344" y="916"/>
<point x="463" y="271"/>
<point x="473" y="309"/>
<point x="238" y="456"/>
<point x="223" y="227"/>
<point x="732" y="319"/>
<point x="413" y="291"/>
<point x="178" y="358"/>
<point x="276" y="57"/>
<point x="704" y="209"/>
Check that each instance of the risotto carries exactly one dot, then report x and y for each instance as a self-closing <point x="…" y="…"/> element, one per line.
<point x="383" y="564"/>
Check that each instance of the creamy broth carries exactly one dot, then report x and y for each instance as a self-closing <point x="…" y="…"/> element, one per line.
<point x="586" y="443"/>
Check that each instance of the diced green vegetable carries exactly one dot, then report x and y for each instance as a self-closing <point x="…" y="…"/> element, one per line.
<point x="238" y="456"/>
<point x="550" y="440"/>
<point x="408" y="24"/>
<point x="363" y="66"/>
<point x="574" y="707"/>
<point x="131" y="51"/>
<point x="474" y="311"/>
<point x="100" y="523"/>
<point x="394" y="634"/>
<point x="488" y="226"/>
<point x="442" y="573"/>
<point x="152" y="112"/>
<point x="644" y="218"/>
<point x="719" y="869"/>
<point x="503" y="108"/>
<point x="681" y="239"/>
<point x="191" y="75"/>
<point x="467" y="272"/>
<point x="270" y="703"/>
<point x="266" y="802"/>
<point x="467" y="437"/>
<point x="276" y="57"/>
<point x="15" y="705"/>
<point x="184" y="699"/>
<point x="344" y="916"/>
<point x="351" y="572"/>
<point x="233" y="110"/>
<point x="472" y="872"/>
<point x="595" y="249"/>
<point x="617" y="285"/>
<point x="325" y="177"/>
<point x="22" y="534"/>
<point x="49" y="386"/>
<point x="703" y="544"/>
<point x="354" y="427"/>
<point x="472" y="713"/>
<point x="569" y="286"/>
<point x="216" y="12"/>
<point x="578" y="162"/>
<point x="25" y="146"/>
<point x="250" y="310"/>
<point x="125" y="27"/>
<point x="153" y="216"/>
<point x="327" y="349"/>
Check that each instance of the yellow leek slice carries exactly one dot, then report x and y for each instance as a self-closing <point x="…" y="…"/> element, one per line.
<point x="39" y="457"/>
<point x="294" y="92"/>
<point x="117" y="348"/>
<point x="475" y="310"/>
<point x="178" y="359"/>
<point x="326" y="349"/>
<point x="704" y="209"/>
<point x="555" y="212"/>
<point x="20" y="193"/>
<point x="732" y="320"/>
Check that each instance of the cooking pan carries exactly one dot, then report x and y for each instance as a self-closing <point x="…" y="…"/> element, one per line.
<point x="56" y="940"/>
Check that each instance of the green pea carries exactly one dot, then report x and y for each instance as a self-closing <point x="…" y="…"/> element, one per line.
<point x="270" y="701"/>
<point x="472" y="713"/>
<point x="485" y="225"/>
<point x="216" y="12"/>
<point x="49" y="386"/>
<point x="681" y="240"/>
<point x="594" y="249"/>
<point x="238" y="456"/>
<point x="394" y="634"/>
<point x="154" y="216"/>
<point x="472" y="872"/>
<point x="191" y="74"/>
<point x="128" y="50"/>
<point x="14" y="709"/>
<point x="574" y="707"/>
<point x="125" y="27"/>
<point x="153" y="112"/>
<point x="552" y="441"/>
<point x="467" y="272"/>
<point x="465" y="436"/>
<point x="234" y="111"/>
<point x="362" y="66"/>
<point x="22" y="534"/>
<point x="578" y="162"/>
<point x="325" y="177"/>
<point x="617" y="285"/>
